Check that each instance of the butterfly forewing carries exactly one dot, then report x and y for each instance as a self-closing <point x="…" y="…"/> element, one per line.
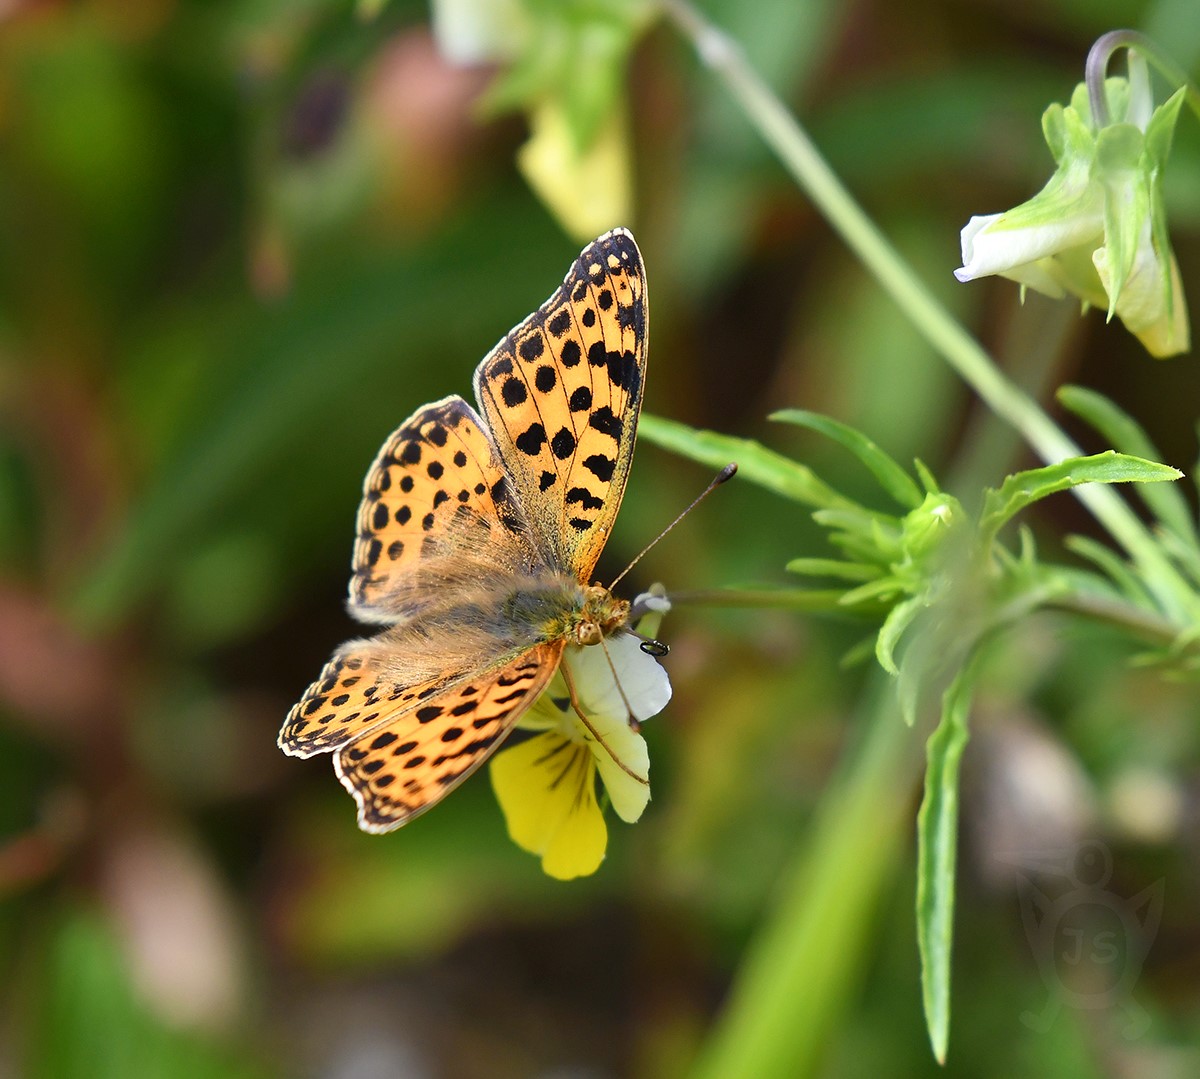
<point x="560" y="395"/>
<point x="402" y="768"/>
<point x="435" y="489"/>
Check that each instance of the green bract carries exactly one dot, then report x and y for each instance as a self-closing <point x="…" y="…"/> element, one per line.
<point x="1098" y="229"/>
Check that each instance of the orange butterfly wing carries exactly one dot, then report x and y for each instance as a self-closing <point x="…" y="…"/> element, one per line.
<point x="410" y="763"/>
<point x="561" y="395"/>
<point x="435" y="489"/>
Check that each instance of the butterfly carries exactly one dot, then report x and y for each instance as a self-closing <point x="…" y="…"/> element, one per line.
<point x="477" y="537"/>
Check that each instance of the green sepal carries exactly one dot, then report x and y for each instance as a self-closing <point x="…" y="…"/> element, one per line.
<point x="899" y="618"/>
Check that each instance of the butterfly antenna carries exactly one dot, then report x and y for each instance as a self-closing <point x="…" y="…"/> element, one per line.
<point x="727" y="473"/>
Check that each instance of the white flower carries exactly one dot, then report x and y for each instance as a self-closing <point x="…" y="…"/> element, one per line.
<point x="1097" y="230"/>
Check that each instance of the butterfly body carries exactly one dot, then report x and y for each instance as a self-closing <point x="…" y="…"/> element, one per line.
<point x="477" y="537"/>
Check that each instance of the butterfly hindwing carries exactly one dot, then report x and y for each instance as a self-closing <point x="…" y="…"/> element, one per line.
<point x="407" y="765"/>
<point x="560" y="395"/>
<point x="353" y="694"/>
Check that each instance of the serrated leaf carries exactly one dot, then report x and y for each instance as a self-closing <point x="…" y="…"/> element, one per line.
<point x="892" y="478"/>
<point x="755" y="462"/>
<point x="1126" y="435"/>
<point x="1024" y="488"/>
<point x="937" y="840"/>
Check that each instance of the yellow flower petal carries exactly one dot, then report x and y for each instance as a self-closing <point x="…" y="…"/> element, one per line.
<point x="547" y="790"/>
<point x="589" y="190"/>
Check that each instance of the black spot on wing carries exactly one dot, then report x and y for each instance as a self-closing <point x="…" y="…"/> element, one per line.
<point x="563" y="444"/>
<point x="606" y="423"/>
<point x="531" y="440"/>
<point x="585" y="498"/>
<point x="513" y="392"/>
<point x="600" y="466"/>
<point x="560" y="323"/>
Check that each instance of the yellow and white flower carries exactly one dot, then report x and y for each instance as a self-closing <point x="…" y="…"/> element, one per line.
<point x="546" y="785"/>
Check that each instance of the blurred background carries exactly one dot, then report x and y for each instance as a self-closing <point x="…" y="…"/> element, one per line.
<point x="239" y="242"/>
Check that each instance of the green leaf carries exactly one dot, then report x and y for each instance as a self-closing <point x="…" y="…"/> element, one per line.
<point x="1024" y="488"/>
<point x="937" y="838"/>
<point x="898" y="620"/>
<point x="755" y="462"/>
<point x="576" y="54"/>
<point x="926" y="477"/>
<point x="1126" y="435"/>
<point x="817" y="600"/>
<point x="831" y="567"/>
<point x="892" y="478"/>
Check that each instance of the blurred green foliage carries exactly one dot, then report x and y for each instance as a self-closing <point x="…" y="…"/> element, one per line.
<point x="239" y="242"/>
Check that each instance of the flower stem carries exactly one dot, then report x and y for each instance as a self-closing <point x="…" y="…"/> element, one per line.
<point x="1102" y="53"/>
<point x="796" y="151"/>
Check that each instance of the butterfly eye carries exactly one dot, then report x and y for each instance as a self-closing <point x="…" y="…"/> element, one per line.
<point x="655" y="648"/>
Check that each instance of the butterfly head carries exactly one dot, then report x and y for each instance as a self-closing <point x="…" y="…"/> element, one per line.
<point x="601" y="614"/>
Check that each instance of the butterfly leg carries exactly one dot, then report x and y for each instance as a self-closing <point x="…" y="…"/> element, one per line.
<point x="567" y="677"/>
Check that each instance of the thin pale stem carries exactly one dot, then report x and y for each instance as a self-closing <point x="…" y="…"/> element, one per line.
<point x="798" y="154"/>
<point x="1101" y="55"/>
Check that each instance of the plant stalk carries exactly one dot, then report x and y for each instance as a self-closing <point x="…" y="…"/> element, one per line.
<point x="796" y="151"/>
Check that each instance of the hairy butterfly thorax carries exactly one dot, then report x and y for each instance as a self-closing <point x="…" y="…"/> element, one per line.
<point x="601" y="615"/>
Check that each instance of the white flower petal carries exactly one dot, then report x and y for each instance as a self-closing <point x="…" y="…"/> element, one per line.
<point x="988" y="247"/>
<point x="1040" y="276"/>
<point x="642" y="679"/>
<point x="651" y="602"/>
